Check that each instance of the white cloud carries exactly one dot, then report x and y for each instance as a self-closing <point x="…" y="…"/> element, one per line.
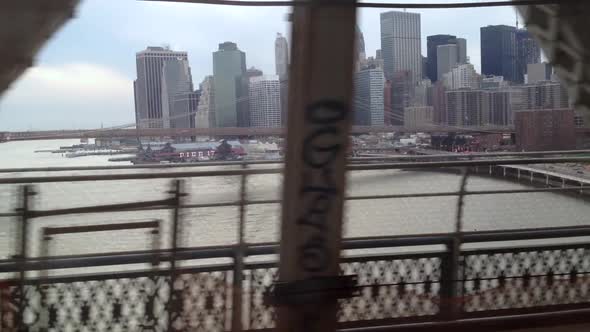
<point x="75" y="95"/>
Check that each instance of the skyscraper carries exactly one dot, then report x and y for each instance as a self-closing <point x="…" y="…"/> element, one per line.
<point x="424" y="67"/>
<point x="400" y="44"/>
<point x="464" y="107"/>
<point x="496" y="107"/>
<point x="420" y="97"/>
<point x="360" y="42"/>
<point x="265" y="101"/>
<point x="528" y="52"/>
<point x="284" y="99"/>
<point x="281" y="56"/>
<point x="418" y="116"/>
<point x="539" y="72"/>
<point x="437" y="99"/>
<point x="368" y="97"/>
<point x="282" y="70"/>
<point x="462" y="77"/>
<point x="229" y="64"/>
<point x="498" y="52"/>
<point x="461" y="50"/>
<point x="468" y="107"/>
<point x="447" y="56"/>
<point x="387" y="103"/>
<point x="177" y="91"/>
<point x="402" y="91"/>
<point x="193" y="99"/>
<point x="360" y="54"/>
<point x="432" y="44"/>
<point x="244" y="96"/>
<point x="539" y="96"/>
<point x="148" y="85"/>
<point x="205" y="117"/>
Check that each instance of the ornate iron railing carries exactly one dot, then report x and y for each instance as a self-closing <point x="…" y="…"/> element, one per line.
<point x="392" y="289"/>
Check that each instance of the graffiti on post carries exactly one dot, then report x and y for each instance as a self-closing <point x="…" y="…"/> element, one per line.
<point x="320" y="191"/>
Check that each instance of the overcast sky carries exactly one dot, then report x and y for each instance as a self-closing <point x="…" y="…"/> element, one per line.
<point x="83" y="77"/>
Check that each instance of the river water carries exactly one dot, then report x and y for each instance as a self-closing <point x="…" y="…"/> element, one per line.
<point x="217" y="226"/>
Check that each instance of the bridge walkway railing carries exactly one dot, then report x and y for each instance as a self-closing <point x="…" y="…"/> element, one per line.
<point x="400" y="279"/>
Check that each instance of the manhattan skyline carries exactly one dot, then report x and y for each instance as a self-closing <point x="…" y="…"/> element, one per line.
<point x="83" y="77"/>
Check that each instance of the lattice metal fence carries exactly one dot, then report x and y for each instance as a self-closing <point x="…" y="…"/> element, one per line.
<point x="393" y="288"/>
<point x="525" y="278"/>
<point x="139" y="302"/>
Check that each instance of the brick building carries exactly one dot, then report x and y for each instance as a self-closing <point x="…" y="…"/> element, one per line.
<point x="544" y="130"/>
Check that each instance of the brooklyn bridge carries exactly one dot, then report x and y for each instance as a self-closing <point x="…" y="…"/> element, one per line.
<point x="227" y="132"/>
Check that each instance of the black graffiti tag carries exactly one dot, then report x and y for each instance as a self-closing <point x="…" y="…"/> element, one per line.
<point x="321" y="148"/>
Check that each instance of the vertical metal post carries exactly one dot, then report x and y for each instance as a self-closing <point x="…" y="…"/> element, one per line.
<point x="45" y="250"/>
<point x="450" y="290"/>
<point x="27" y="192"/>
<point x="174" y="302"/>
<point x="319" y="119"/>
<point x="155" y="233"/>
<point x="43" y="318"/>
<point x="239" y="256"/>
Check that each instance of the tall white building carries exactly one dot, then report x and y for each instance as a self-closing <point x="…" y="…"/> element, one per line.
<point x="369" y="84"/>
<point x="281" y="56"/>
<point x="205" y="117"/>
<point x="265" y="101"/>
<point x="400" y="44"/>
<point x="462" y="77"/>
<point x="282" y="70"/>
<point x="447" y="57"/>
